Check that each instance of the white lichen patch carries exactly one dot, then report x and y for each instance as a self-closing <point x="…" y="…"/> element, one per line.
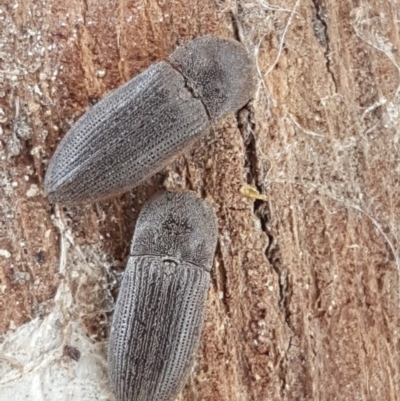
<point x="32" y="191"/>
<point x="5" y="254"/>
<point x="34" y="365"/>
<point x="55" y="358"/>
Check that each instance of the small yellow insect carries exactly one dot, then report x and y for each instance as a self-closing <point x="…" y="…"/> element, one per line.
<point x="250" y="192"/>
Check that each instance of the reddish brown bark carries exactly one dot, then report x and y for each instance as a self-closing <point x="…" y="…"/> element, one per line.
<point x="304" y="303"/>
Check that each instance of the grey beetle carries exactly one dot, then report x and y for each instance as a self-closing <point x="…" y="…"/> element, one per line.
<point x="160" y="309"/>
<point x="136" y="130"/>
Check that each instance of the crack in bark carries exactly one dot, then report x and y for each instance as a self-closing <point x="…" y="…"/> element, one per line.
<point x="246" y="127"/>
<point x="262" y="213"/>
<point x="85" y="11"/>
<point x="81" y="28"/>
<point x="223" y="278"/>
<point x="261" y="210"/>
<point x="235" y="25"/>
<point x="321" y="33"/>
<point x="272" y="253"/>
<point x="283" y="368"/>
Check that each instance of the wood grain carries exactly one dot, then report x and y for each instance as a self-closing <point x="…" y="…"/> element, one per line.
<point x="304" y="299"/>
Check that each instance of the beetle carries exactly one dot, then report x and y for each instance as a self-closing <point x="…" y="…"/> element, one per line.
<point x="159" y="313"/>
<point x="138" y="129"/>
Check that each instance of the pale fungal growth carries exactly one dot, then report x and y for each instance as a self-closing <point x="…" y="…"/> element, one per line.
<point x="160" y="309"/>
<point x="138" y="129"/>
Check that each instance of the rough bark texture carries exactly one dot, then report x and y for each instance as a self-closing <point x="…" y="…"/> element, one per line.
<point x="304" y="302"/>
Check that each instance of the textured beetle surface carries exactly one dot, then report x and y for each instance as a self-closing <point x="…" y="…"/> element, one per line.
<point x="141" y="127"/>
<point x="160" y="309"/>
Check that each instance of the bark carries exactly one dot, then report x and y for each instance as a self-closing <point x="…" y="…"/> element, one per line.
<point x="304" y="301"/>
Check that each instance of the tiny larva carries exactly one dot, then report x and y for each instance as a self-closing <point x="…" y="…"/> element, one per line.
<point x="139" y="128"/>
<point x="160" y="309"/>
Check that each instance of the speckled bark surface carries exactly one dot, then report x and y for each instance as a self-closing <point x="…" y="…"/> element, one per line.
<point x="304" y="301"/>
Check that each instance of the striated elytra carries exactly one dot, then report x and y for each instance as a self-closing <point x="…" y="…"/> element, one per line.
<point x="136" y="130"/>
<point x="160" y="309"/>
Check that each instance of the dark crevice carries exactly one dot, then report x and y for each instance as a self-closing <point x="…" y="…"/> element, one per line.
<point x="235" y="25"/>
<point x="85" y="10"/>
<point x="251" y="156"/>
<point x="261" y="210"/>
<point x="203" y="192"/>
<point x="246" y="125"/>
<point x="223" y="278"/>
<point x="321" y="33"/>
<point x="317" y="298"/>
<point x="283" y="366"/>
<point x="272" y="253"/>
<point x="80" y="47"/>
<point x="188" y="181"/>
